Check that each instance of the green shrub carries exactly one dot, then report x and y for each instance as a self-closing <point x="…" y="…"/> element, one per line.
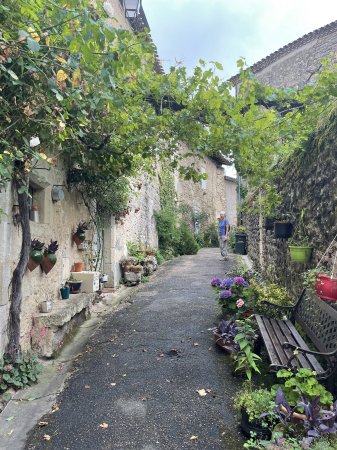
<point x="187" y="244"/>
<point x="211" y="236"/>
<point x="168" y="233"/>
<point x="159" y="257"/>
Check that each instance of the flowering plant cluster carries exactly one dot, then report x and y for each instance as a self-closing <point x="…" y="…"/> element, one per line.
<point x="233" y="294"/>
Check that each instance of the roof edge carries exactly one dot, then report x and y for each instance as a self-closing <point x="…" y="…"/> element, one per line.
<point x="285" y="50"/>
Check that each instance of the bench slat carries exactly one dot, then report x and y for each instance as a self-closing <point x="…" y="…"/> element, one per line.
<point x="275" y="333"/>
<point x="301" y="343"/>
<point x="278" y="339"/>
<point x="277" y="355"/>
<point x="274" y="359"/>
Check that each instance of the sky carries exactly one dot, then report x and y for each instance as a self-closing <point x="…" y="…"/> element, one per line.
<point x="225" y="30"/>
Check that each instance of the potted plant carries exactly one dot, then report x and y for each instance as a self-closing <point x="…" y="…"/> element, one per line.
<point x="36" y="254"/>
<point x="50" y="258"/>
<point x="268" y="223"/>
<point x="299" y="248"/>
<point x="224" y="335"/>
<point x="323" y="281"/>
<point x="65" y="291"/>
<point x="78" y="267"/>
<point x="255" y="405"/>
<point x="74" y="285"/>
<point x="283" y="228"/>
<point x="79" y="235"/>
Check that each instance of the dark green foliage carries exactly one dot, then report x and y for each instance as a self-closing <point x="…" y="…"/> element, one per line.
<point x="168" y="233"/>
<point x="211" y="236"/>
<point x="187" y="244"/>
<point x="23" y="372"/>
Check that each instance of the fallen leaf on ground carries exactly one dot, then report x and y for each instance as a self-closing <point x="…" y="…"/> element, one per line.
<point x="113" y="384"/>
<point x="46" y="437"/>
<point x="193" y="438"/>
<point x="208" y="391"/>
<point x="195" y="344"/>
<point x="42" y="424"/>
<point x="202" y="392"/>
<point x="87" y="386"/>
<point x="124" y="374"/>
<point x="10" y="418"/>
<point x="10" y="432"/>
<point x="55" y="408"/>
<point x="145" y="350"/>
<point x="104" y="425"/>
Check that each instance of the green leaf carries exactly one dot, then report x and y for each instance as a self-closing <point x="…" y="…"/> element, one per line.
<point x="12" y="74"/>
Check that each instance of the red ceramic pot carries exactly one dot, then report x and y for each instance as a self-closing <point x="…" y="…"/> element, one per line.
<point x="326" y="287"/>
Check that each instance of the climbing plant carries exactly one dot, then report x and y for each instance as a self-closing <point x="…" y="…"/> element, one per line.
<point x="77" y="88"/>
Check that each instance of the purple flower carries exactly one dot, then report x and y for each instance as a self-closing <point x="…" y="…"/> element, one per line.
<point x="245" y="284"/>
<point x="225" y="294"/>
<point x="227" y="282"/>
<point x="215" y="281"/>
<point x="239" y="280"/>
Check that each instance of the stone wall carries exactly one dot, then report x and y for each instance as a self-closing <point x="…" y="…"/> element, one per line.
<point x="207" y="196"/>
<point x="138" y="226"/>
<point x="57" y="221"/>
<point x="310" y="184"/>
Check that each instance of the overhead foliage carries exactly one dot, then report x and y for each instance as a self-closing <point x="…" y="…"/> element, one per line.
<point x="76" y="87"/>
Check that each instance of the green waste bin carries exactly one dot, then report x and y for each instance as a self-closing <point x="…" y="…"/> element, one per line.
<point x="240" y="248"/>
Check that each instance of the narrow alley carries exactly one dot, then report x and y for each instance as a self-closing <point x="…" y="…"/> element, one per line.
<point x="135" y="387"/>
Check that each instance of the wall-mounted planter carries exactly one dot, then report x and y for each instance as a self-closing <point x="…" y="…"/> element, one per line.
<point x="36" y="254"/>
<point x="300" y="254"/>
<point x="268" y="223"/>
<point x="78" y="238"/>
<point x="283" y="230"/>
<point x="48" y="262"/>
<point x="326" y="287"/>
<point x="35" y="258"/>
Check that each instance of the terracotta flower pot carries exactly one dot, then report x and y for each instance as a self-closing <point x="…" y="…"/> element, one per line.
<point x="78" y="238"/>
<point x="78" y="267"/>
<point x="326" y="287"/>
<point x="48" y="262"/>
<point x="35" y="258"/>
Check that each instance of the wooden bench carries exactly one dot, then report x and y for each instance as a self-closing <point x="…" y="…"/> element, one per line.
<point x="286" y="347"/>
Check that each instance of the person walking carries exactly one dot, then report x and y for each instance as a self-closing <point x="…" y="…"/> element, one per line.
<point x="224" y="228"/>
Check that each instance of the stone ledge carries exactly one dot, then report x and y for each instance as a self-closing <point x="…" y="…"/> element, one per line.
<point x="51" y="329"/>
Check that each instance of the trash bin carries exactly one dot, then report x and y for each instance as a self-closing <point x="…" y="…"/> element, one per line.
<point x="240" y="248"/>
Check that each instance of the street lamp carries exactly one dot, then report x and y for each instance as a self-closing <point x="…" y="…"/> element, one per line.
<point x="131" y="8"/>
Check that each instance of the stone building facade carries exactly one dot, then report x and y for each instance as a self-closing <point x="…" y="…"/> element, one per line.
<point x="206" y="198"/>
<point x="58" y="219"/>
<point x="296" y="63"/>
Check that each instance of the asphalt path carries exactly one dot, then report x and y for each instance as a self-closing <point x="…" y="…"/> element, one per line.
<point x="135" y="387"/>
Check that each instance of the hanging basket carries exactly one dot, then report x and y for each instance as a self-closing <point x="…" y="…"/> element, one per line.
<point x="283" y="230"/>
<point x="326" y="287"/>
<point x="48" y="262"/>
<point x="301" y="254"/>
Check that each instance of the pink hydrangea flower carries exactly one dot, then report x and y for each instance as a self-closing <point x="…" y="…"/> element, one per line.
<point x="240" y="303"/>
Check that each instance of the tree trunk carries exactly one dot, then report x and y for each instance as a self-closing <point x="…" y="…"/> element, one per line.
<point x="13" y="329"/>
